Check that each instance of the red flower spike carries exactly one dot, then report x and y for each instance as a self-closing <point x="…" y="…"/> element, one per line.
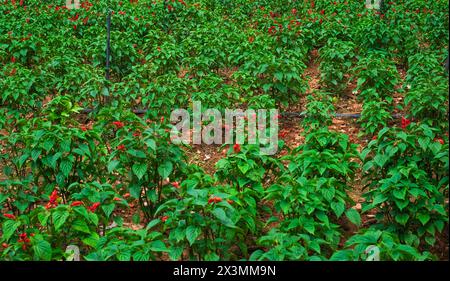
<point x="164" y="219"/>
<point x="121" y="147"/>
<point x="94" y="207"/>
<point x="118" y="124"/>
<point x="10" y="216"/>
<point x="76" y="203"/>
<point x="237" y="148"/>
<point x="405" y="122"/>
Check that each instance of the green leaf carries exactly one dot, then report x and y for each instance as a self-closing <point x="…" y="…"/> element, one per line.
<point x="423" y="143"/>
<point x="92" y="240"/>
<point x="343" y="255"/>
<point x="175" y="253"/>
<point x="141" y="256"/>
<point x="328" y="193"/>
<point x="165" y="169"/>
<point x="42" y="250"/>
<point x="43" y="217"/>
<point x="353" y="216"/>
<point x="402" y="218"/>
<point x="113" y="165"/>
<point x="309" y="226"/>
<point x="59" y="218"/>
<point x="220" y="214"/>
<point x="244" y="167"/>
<point x="151" y="144"/>
<point x="158" y="246"/>
<point x="192" y="232"/>
<point x="81" y="225"/>
<point x="108" y="209"/>
<point x="139" y="169"/>
<point x="338" y="208"/>
<point x="9" y="227"/>
<point x="423" y="218"/>
<point x="66" y="167"/>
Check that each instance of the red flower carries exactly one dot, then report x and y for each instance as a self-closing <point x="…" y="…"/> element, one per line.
<point x="441" y="141"/>
<point x="405" y="122"/>
<point x="272" y="30"/>
<point x="83" y="128"/>
<point x="118" y="124"/>
<point x="164" y="219"/>
<point x="169" y="8"/>
<point x="10" y="216"/>
<point x="94" y="207"/>
<point x="121" y="147"/>
<point x="52" y="200"/>
<point x="76" y="203"/>
<point x="251" y="39"/>
<point x="13" y="59"/>
<point x="176" y="184"/>
<point x="13" y="72"/>
<point x="121" y="13"/>
<point x="214" y="199"/>
<point x="54" y="196"/>
<point x="230" y="201"/>
<point x="294" y="11"/>
<point x="4" y="245"/>
<point x="236" y="148"/>
<point x="374" y="137"/>
<point x="75" y="27"/>
<point x="117" y="199"/>
<point x="126" y="195"/>
<point x="322" y="12"/>
<point x="136" y="134"/>
<point x="85" y="21"/>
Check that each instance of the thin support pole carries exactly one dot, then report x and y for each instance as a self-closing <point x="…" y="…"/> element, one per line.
<point x="108" y="51"/>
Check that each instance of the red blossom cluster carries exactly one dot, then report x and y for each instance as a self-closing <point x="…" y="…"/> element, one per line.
<point x="10" y="216"/>
<point x="24" y="240"/>
<point x="118" y="124"/>
<point x="76" y="203"/>
<point x="52" y="203"/>
<point x="94" y="207"/>
<point x="237" y="148"/>
<point x="214" y="199"/>
<point x="405" y="122"/>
